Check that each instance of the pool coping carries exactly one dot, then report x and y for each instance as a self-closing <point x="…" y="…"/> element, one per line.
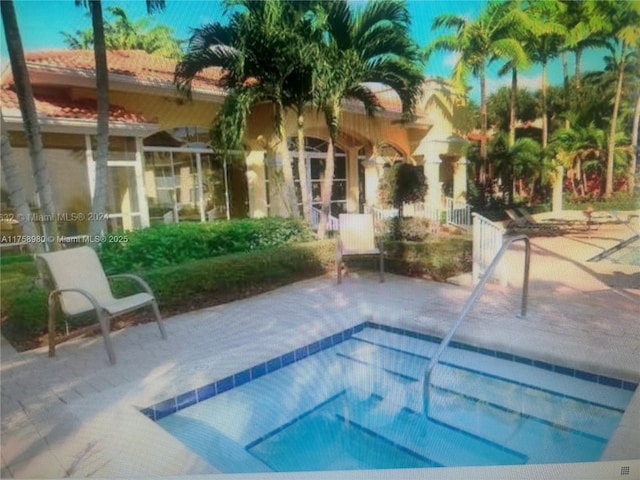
<point x="186" y="399"/>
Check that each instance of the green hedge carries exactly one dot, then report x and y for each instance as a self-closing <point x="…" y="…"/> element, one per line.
<point x="194" y="284"/>
<point x="174" y="244"/>
<point x="438" y="258"/>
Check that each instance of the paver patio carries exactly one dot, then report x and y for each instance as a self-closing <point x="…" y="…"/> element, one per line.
<point x="76" y="415"/>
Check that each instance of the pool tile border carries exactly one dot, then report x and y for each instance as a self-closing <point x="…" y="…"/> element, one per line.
<point x="189" y="398"/>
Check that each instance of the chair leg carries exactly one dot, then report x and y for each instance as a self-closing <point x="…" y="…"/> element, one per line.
<point x="339" y="267"/>
<point x="105" y="325"/>
<point x="381" y="267"/>
<point x="52" y="325"/>
<point x="156" y="312"/>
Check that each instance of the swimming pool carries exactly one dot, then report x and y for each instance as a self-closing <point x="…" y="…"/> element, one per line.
<point x="353" y="401"/>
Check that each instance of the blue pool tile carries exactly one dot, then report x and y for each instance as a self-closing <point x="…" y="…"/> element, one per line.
<point x="314" y="348"/>
<point x="629" y="386"/>
<point x="543" y="365"/>
<point x="301" y="353"/>
<point x="148" y="412"/>
<point x="207" y="391"/>
<point x="337" y="338"/>
<point x="164" y="408"/>
<point x="258" y="371"/>
<point x="564" y="370"/>
<point x="504" y="356"/>
<point x="273" y="365"/>
<point x="524" y="360"/>
<point x="486" y="351"/>
<point x="288" y="359"/>
<point x="185" y="400"/>
<point x="224" y="385"/>
<point x="359" y="328"/>
<point x="586" y="376"/>
<point x="611" y="382"/>
<point x="325" y="343"/>
<point x="241" y="378"/>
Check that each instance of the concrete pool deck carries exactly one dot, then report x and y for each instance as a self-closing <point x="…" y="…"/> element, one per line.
<point x="76" y="415"/>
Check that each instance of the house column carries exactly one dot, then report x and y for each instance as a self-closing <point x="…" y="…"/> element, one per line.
<point x="256" y="186"/>
<point x="556" y="199"/>
<point x="432" y="173"/>
<point x="460" y="179"/>
<point x="143" y="204"/>
<point x="352" y="180"/>
<point x="372" y="171"/>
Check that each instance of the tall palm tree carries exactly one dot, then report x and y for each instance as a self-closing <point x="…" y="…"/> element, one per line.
<point x="369" y="45"/>
<point x="477" y="43"/>
<point x="624" y="18"/>
<point x="544" y="46"/>
<point x="259" y="49"/>
<point x="99" y="202"/>
<point x="124" y="34"/>
<point x="16" y="193"/>
<point x="30" y="120"/>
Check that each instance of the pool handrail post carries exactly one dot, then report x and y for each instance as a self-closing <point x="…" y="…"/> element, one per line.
<point x="508" y="241"/>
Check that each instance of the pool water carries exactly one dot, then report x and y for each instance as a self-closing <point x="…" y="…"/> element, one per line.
<point x="358" y="405"/>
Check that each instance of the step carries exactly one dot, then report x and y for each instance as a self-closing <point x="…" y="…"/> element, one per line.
<point x="433" y="440"/>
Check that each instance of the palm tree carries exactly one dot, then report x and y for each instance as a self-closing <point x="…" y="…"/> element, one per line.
<point x="544" y="46"/>
<point x="30" y="120"/>
<point x="370" y="45"/>
<point x="99" y="202"/>
<point x="624" y="18"/>
<point x="123" y="34"/>
<point x="477" y="43"/>
<point x="260" y="50"/>
<point x="16" y="193"/>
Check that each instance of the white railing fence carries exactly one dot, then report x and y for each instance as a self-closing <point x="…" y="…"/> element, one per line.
<point x="418" y="209"/>
<point x="487" y="241"/>
<point x="332" y="225"/>
<point x="458" y="212"/>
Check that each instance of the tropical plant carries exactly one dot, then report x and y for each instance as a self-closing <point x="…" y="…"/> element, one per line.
<point x="402" y="183"/>
<point x="368" y="45"/>
<point x="124" y="34"/>
<point x="31" y="125"/>
<point x="261" y="50"/>
<point x="477" y="43"/>
<point x="624" y="32"/>
<point x="15" y="191"/>
<point x="99" y="202"/>
<point x="545" y="45"/>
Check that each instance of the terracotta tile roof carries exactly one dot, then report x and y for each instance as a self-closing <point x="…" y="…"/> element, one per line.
<point x="137" y="64"/>
<point x="59" y="107"/>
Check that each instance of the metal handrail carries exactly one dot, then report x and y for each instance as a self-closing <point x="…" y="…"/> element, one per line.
<point x="471" y="300"/>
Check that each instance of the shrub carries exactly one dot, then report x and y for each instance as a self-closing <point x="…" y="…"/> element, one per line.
<point x="438" y="259"/>
<point x="194" y="284"/>
<point x="411" y="229"/>
<point x="174" y="244"/>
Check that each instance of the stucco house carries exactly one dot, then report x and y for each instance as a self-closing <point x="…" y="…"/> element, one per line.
<point x="161" y="168"/>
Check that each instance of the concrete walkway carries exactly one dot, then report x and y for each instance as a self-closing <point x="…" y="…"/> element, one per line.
<point x="76" y="415"/>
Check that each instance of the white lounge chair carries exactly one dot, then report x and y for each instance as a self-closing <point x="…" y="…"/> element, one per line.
<point x="357" y="238"/>
<point x="81" y="285"/>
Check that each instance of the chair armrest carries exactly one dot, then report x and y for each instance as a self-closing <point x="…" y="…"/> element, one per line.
<point x="145" y="286"/>
<point x="82" y="292"/>
<point x="339" y="246"/>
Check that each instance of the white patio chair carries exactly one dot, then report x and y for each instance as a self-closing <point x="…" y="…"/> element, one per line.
<point x="80" y="284"/>
<point x="357" y="238"/>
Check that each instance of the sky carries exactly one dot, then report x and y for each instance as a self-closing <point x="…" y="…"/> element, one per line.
<point x="41" y="22"/>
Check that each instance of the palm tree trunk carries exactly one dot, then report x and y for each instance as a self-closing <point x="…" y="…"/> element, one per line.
<point x="290" y="201"/>
<point x="30" y="121"/>
<point x="545" y="118"/>
<point x="302" y="168"/>
<point x="611" y="143"/>
<point x="16" y="193"/>
<point x="326" y="187"/>
<point x="634" y="146"/>
<point x="513" y="107"/>
<point x="578" y="74"/>
<point x="97" y="226"/>
<point x="483" y="126"/>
